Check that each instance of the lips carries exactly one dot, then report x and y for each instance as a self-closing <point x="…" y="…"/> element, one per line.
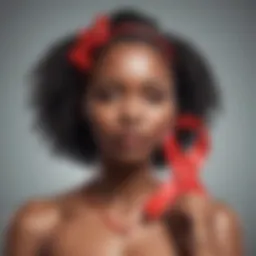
<point x="131" y="141"/>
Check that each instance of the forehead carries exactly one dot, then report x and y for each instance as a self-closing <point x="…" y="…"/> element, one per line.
<point x="133" y="60"/>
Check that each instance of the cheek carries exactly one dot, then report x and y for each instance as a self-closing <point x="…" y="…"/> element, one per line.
<point x="102" y="119"/>
<point x="161" y="122"/>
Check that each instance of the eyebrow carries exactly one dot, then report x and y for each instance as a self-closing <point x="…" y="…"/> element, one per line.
<point x="150" y="82"/>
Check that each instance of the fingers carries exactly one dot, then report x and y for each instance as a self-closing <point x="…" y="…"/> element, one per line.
<point x="201" y="226"/>
<point x="227" y="231"/>
<point x="198" y="211"/>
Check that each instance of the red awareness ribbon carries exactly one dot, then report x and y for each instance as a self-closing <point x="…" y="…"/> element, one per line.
<point x="185" y="167"/>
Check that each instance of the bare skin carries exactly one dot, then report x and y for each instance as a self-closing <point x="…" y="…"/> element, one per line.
<point x="131" y="106"/>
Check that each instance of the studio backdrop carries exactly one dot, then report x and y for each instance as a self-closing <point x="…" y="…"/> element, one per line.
<point x="224" y="30"/>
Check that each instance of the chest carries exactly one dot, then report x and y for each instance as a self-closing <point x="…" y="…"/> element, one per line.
<point x="90" y="237"/>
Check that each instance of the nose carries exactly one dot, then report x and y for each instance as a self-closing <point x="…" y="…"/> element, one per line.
<point x="131" y="112"/>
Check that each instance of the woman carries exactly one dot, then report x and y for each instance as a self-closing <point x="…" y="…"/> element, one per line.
<point x="111" y="95"/>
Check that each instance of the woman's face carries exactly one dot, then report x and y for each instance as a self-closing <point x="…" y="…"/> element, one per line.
<point x="131" y="102"/>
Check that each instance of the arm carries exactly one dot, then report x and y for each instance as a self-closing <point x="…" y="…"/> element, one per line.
<point x="30" y="228"/>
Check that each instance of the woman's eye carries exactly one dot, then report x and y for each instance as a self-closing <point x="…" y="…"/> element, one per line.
<point x="106" y="95"/>
<point x="155" y="92"/>
<point x="155" y="96"/>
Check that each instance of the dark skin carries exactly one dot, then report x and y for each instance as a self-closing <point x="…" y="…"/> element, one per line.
<point x="131" y="106"/>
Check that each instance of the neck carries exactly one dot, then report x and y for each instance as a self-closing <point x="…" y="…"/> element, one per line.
<point x="126" y="184"/>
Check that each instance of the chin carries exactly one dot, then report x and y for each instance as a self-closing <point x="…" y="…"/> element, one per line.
<point x="131" y="158"/>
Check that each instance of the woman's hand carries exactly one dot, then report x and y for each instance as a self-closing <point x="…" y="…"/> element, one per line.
<point x="203" y="227"/>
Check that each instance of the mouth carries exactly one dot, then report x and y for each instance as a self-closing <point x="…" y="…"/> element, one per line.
<point x="131" y="141"/>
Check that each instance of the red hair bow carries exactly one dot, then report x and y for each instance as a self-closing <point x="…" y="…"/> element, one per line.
<point x="88" y="41"/>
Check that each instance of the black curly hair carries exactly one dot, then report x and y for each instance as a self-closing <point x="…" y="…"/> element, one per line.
<point x="58" y="87"/>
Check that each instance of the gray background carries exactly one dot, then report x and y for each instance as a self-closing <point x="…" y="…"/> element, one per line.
<point x="225" y="32"/>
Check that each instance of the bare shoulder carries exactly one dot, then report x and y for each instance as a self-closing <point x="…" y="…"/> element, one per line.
<point x="35" y="222"/>
<point x="40" y="216"/>
<point x="36" y="217"/>
<point x="30" y="226"/>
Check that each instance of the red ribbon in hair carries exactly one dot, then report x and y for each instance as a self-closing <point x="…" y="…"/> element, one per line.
<point x="88" y="40"/>
<point x="100" y="33"/>
<point x="185" y="167"/>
